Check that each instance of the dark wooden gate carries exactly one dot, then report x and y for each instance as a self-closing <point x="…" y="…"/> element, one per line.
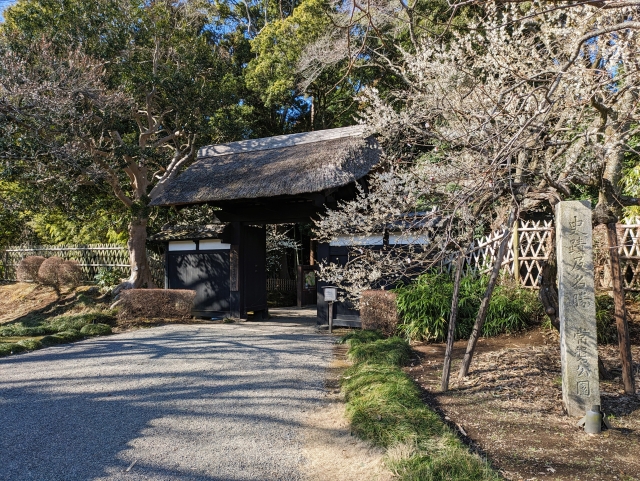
<point x="254" y="247"/>
<point x="205" y="272"/>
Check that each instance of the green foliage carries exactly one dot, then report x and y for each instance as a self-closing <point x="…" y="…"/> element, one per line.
<point x="30" y="344"/>
<point x="14" y="211"/>
<point x="605" y="320"/>
<point x="360" y="336"/>
<point x="19" y="330"/>
<point x="11" y="348"/>
<point x="107" y="278"/>
<point x="425" y="307"/>
<point x="77" y="321"/>
<point x="385" y="407"/>
<point x="58" y="324"/>
<point x="61" y="337"/>
<point x="96" y="330"/>
<point x="512" y="309"/>
<point x="447" y="460"/>
<point x="54" y="227"/>
<point x="393" y="351"/>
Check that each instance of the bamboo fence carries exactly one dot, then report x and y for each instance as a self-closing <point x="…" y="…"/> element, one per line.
<point x="91" y="258"/>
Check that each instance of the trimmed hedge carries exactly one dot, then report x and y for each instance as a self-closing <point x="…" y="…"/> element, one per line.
<point x="378" y="311"/>
<point x="27" y="270"/>
<point x="155" y="303"/>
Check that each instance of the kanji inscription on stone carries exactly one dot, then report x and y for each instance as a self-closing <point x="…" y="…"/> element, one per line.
<point x="576" y="298"/>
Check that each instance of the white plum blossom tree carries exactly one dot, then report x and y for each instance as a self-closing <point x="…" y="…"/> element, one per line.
<point x="528" y="104"/>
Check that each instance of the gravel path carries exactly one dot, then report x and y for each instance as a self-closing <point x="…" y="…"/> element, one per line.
<point x="189" y="402"/>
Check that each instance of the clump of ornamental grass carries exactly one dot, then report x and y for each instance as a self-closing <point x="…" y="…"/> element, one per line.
<point x="385" y="406"/>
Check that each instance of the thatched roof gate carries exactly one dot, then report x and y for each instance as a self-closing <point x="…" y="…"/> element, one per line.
<point x="286" y="178"/>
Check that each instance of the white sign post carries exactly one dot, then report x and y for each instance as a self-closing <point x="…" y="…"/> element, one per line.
<point x="330" y="295"/>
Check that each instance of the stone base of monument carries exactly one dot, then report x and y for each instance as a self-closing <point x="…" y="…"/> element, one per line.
<point x="594" y="421"/>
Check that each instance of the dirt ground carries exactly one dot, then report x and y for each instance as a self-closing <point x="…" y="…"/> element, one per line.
<point x="330" y="450"/>
<point x="510" y="409"/>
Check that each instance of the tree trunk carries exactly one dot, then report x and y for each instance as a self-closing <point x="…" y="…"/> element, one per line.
<point x="484" y="305"/>
<point x="624" y="342"/>
<point x="548" y="292"/>
<point x="453" y="318"/>
<point x="137" y="245"/>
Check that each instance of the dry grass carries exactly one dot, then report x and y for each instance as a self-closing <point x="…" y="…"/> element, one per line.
<point x="510" y="408"/>
<point x="20" y="299"/>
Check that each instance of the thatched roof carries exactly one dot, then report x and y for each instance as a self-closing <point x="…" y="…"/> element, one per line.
<point x="275" y="166"/>
<point x="181" y="232"/>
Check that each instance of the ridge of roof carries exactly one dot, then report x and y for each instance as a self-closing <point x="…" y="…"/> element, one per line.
<point x="279" y="141"/>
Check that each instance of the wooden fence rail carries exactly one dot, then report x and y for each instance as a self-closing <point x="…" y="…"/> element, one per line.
<point x="91" y="258"/>
<point x="281" y="285"/>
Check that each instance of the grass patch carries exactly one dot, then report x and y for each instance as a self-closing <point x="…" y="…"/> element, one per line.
<point x="36" y="332"/>
<point x="360" y="336"/>
<point x="424" y="307"/>
<point x="393" y="351"/>
<point x="95" y="330"/>
<point x="385" y="407"/>
<point x="7" y="348"/>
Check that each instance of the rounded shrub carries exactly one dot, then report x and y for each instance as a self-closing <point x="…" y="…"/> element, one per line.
<point x="49" y="272"/>
<point x="51" y="340"/>
<point x="70" y="274"/>
<point x="96" y="330"/>
<point x="27" y="270"/>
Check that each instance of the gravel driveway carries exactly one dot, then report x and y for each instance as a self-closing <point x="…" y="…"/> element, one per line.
<point x="189" y="402"/>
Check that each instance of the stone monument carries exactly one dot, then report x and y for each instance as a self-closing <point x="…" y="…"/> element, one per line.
<point x="576" y="299"/>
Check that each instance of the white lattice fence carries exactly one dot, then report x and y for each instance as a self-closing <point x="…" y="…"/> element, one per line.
<point x="629" y="238"/>
<point x="91" y="258"/>
<point x="532" y="241"/>
<point x="527" y="248"/>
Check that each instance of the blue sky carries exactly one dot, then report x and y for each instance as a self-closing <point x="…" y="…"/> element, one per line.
<point x="4" y="4"/>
